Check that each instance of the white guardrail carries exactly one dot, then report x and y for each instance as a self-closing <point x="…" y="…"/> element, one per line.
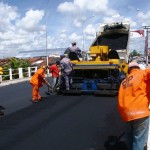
<point x="20" y="73"/>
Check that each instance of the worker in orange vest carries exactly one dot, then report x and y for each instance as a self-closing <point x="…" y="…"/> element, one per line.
<point x="133" y="105"/>
<point x="37" y="81"/>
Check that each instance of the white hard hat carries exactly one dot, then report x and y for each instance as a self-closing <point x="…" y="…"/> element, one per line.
<point x="133" y="64"/>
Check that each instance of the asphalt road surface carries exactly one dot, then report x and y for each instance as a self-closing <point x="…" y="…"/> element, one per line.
<point x="58" y="122"/>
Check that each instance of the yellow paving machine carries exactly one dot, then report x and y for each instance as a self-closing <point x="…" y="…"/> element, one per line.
<point x="103" y="73"/>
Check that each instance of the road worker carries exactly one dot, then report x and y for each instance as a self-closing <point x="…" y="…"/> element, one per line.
<point x="54" y="69"/>
<point x="73" y="52"/>
<point x="133" y="105"/>
<point x="36" y="81"/>
<point x="66" y="70"/>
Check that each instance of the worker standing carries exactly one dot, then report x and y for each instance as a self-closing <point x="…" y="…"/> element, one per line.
<point x="36" y="81"/>
<point x="133" y="105"/>
<point x="66" y="70"/>
<point x="54" y="69"/>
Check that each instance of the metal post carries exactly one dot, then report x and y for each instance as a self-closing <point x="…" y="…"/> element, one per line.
<point x="146" y="43"/>
<point x="146" y="47"/>
<point x="46" y="42"/>
<point x="82" y="37"/>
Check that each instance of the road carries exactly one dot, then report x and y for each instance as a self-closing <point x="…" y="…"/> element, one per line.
<point x="58" y="122"/>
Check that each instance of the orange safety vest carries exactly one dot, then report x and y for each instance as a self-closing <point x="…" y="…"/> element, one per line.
<point x="37" y="78"/>
<point x="134" y="95"/>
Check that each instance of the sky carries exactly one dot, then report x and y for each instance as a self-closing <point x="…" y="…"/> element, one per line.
<point x="45" y="24"/>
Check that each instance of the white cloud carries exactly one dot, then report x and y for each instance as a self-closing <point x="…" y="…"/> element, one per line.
<point x="77" y="22"/>
<point x="18" y="33"/>
<point x="74" y="37"/>
<point x="78" y="8"/>
<point x="7" y="14"/>
<point x="31" y="21"/>
<point x="83" y="6"/>
<point x="137" y="44"/>
<point x="90" y="30"/>
<point x="67" y="7"/>
<point x="26" y="31"/>
<point x="63" y="35"/>
<point x="143" y="18"/>
<point x="94" y="5"/>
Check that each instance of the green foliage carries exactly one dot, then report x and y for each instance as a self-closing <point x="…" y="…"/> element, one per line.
<point x="19" y="63"/>
<point x="15" y="63"/>
<point x="134" y="53"/>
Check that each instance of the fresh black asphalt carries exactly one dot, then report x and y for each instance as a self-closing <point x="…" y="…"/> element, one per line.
<point x="59" y="122"/>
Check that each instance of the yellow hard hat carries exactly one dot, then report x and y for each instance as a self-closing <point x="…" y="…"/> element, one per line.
<point x="43" y="67"/>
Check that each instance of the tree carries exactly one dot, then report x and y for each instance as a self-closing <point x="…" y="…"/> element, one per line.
<point x="14" y="64"/>
<point x="134" y="53"/>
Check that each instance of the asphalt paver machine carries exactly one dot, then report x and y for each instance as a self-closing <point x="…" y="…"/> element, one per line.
<point x="103" y="73"/>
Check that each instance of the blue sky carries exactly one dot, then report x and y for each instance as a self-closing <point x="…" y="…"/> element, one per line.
<point x="23" y="22"/>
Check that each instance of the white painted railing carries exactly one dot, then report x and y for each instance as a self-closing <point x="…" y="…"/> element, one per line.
<point x="19" y="73"/>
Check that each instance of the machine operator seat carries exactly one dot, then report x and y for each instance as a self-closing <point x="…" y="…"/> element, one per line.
<point x="112" y="54"/>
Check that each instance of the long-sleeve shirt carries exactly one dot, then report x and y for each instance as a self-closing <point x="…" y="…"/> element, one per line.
<point x="74" y="49"/>
<point x="38" y="77"/>
<point x="134" y="95"/>
<point x="66" y="66"/>
<point x="54" y="70"/>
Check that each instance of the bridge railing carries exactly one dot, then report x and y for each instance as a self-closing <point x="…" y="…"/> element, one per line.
<point x="19" y="73"/>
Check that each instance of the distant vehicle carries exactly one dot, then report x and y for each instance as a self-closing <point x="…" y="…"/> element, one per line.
<point x="143" y="58"/>
<point x="141" y="62"/>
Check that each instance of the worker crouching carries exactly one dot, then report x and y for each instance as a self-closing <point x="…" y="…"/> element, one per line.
<point x="37" y="81"/>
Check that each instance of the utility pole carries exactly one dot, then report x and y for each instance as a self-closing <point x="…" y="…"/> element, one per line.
<point x="147" y="28"/>
<point x="46" y="42"/>
<point x="46" y="49"/>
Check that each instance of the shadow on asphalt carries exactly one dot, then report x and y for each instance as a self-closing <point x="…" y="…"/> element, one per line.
<point x="42" y="109"/>
<point x="115" y="143"/>
<point x="25" y="122"/>
<point x="25" y="113"/>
